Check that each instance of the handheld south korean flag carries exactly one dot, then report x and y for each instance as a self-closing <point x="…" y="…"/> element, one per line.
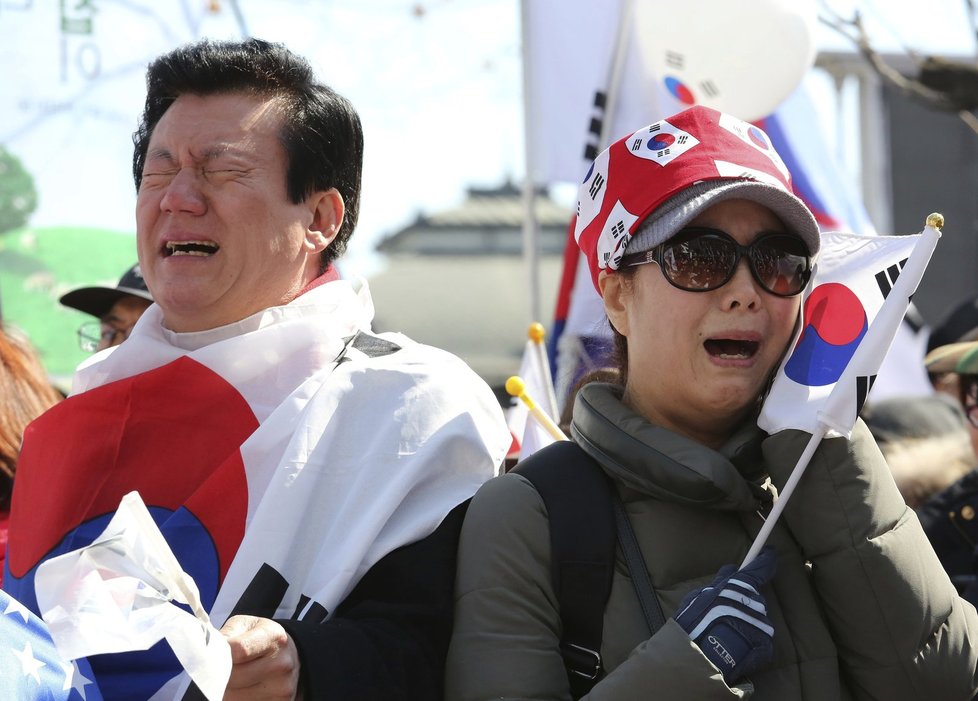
<point x="855" y="303"/>
<point x="852" y="309"/>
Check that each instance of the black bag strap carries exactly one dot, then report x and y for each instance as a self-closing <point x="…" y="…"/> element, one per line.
<point x="577" y="495"/>
<point x="651" y="609"/>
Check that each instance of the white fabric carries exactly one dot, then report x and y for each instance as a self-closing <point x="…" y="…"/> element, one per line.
<point x="528" y="432"/>
<point x="903" y="373"/>
<point x="563" y="73"/>
<point x="116" y="595"/>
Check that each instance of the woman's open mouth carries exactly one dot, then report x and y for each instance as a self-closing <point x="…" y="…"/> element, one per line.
<point x="731" y="349"/>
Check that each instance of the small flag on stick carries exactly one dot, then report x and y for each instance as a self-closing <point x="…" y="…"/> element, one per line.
<point x="538" y="347"/>
<point x="885" y="286"/>
<point x="517" y="388"/>
<point x="528" y="434"/>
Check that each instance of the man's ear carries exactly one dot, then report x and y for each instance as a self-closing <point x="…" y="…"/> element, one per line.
<point x="327" y="209"/>
<point x="612" y="288"/>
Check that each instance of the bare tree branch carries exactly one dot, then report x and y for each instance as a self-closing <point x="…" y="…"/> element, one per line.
<point x="942" y="85"/>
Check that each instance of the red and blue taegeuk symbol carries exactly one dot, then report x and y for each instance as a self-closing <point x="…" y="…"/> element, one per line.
<point x="660" y="141"/>
<point x="174" y="435"/>
<point x="678" y="90"/>
<point x="759" y="138"/>
<point x="834" y="322"/>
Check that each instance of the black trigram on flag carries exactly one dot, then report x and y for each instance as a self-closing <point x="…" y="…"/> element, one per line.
<point x="266" y="591"/>
<point x="887" y="278"/>
<point x="596" y="185"/>
<point x="709" y="88"/>
<point x="636" y="144"/>
<point x="674" y="59"/>
<point x="863" y="385"/>
<point x="593" y="141"/>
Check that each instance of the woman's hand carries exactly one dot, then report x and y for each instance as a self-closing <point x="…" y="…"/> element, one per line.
<point x="728" y="619"/>
<point x="265" y="661"/>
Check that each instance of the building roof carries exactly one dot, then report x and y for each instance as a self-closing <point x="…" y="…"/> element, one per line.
<point x="474" y="307"/>
<point x="455" y="279"/>
<point x="488" y="220"/>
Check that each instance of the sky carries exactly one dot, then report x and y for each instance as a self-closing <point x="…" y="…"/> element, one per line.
<point x="438" y="85"/>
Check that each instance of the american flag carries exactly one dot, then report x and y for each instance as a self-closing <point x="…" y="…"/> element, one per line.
<point x="30" y="666"/>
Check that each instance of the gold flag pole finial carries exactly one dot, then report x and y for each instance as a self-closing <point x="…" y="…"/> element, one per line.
<point x="517" y="388"/>
<point x="536" y="332"/>
<point x="935" y="220"/>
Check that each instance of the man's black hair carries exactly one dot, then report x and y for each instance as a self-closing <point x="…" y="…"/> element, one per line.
<point x="322" y="135"/>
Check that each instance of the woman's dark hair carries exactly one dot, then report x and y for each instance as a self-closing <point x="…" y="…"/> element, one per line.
<point x="606" y="375"/>
<point x="26" y="394"/>
<point x="322" y="135"/>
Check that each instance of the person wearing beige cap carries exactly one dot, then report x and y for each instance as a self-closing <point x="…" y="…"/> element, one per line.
<point x="700" y="251"/>
<point x="961" y="357"/>
<point x="960" y="361"/>
<point x="950" y="516"/>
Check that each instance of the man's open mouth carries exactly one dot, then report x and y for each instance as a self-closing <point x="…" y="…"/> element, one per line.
<point x="730" y="349"/>
<point x="190" y="248"/>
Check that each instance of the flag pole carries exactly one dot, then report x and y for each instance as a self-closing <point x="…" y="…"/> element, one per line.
<point x="531" y="228"/>
<point x="837" y="413"/>
<point x="784" y="495"/>
<point x="617" y="68"/>
<point x="537" y="334"/>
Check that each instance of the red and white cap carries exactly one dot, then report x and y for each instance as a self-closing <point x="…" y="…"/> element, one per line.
<point x="655" y="181"/>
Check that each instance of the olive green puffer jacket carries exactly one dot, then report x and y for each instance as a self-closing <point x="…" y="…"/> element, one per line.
<point x="860" y="604"/>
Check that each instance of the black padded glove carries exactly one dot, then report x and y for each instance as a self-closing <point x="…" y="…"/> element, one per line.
<point x="728" y="619"/>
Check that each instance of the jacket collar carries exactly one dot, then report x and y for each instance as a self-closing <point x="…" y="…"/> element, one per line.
<point x="663" y="464"/>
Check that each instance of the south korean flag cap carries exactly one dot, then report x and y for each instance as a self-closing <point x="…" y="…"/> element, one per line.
<point x="644" y="188"/>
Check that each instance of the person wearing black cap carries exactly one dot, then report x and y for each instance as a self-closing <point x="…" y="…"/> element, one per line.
<point x="116" y="308"/>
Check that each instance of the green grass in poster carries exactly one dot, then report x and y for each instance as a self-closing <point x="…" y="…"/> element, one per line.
<point x="37" y="266"/>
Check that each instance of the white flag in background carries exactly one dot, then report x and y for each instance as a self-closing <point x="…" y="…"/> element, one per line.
<point x="527" y="431"/>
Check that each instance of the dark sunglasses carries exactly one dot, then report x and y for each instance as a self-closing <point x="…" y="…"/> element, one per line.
<point x="700" y="259"/>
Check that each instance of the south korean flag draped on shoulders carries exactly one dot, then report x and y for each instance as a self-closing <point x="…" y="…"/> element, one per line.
<point x="281" y="457"/>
